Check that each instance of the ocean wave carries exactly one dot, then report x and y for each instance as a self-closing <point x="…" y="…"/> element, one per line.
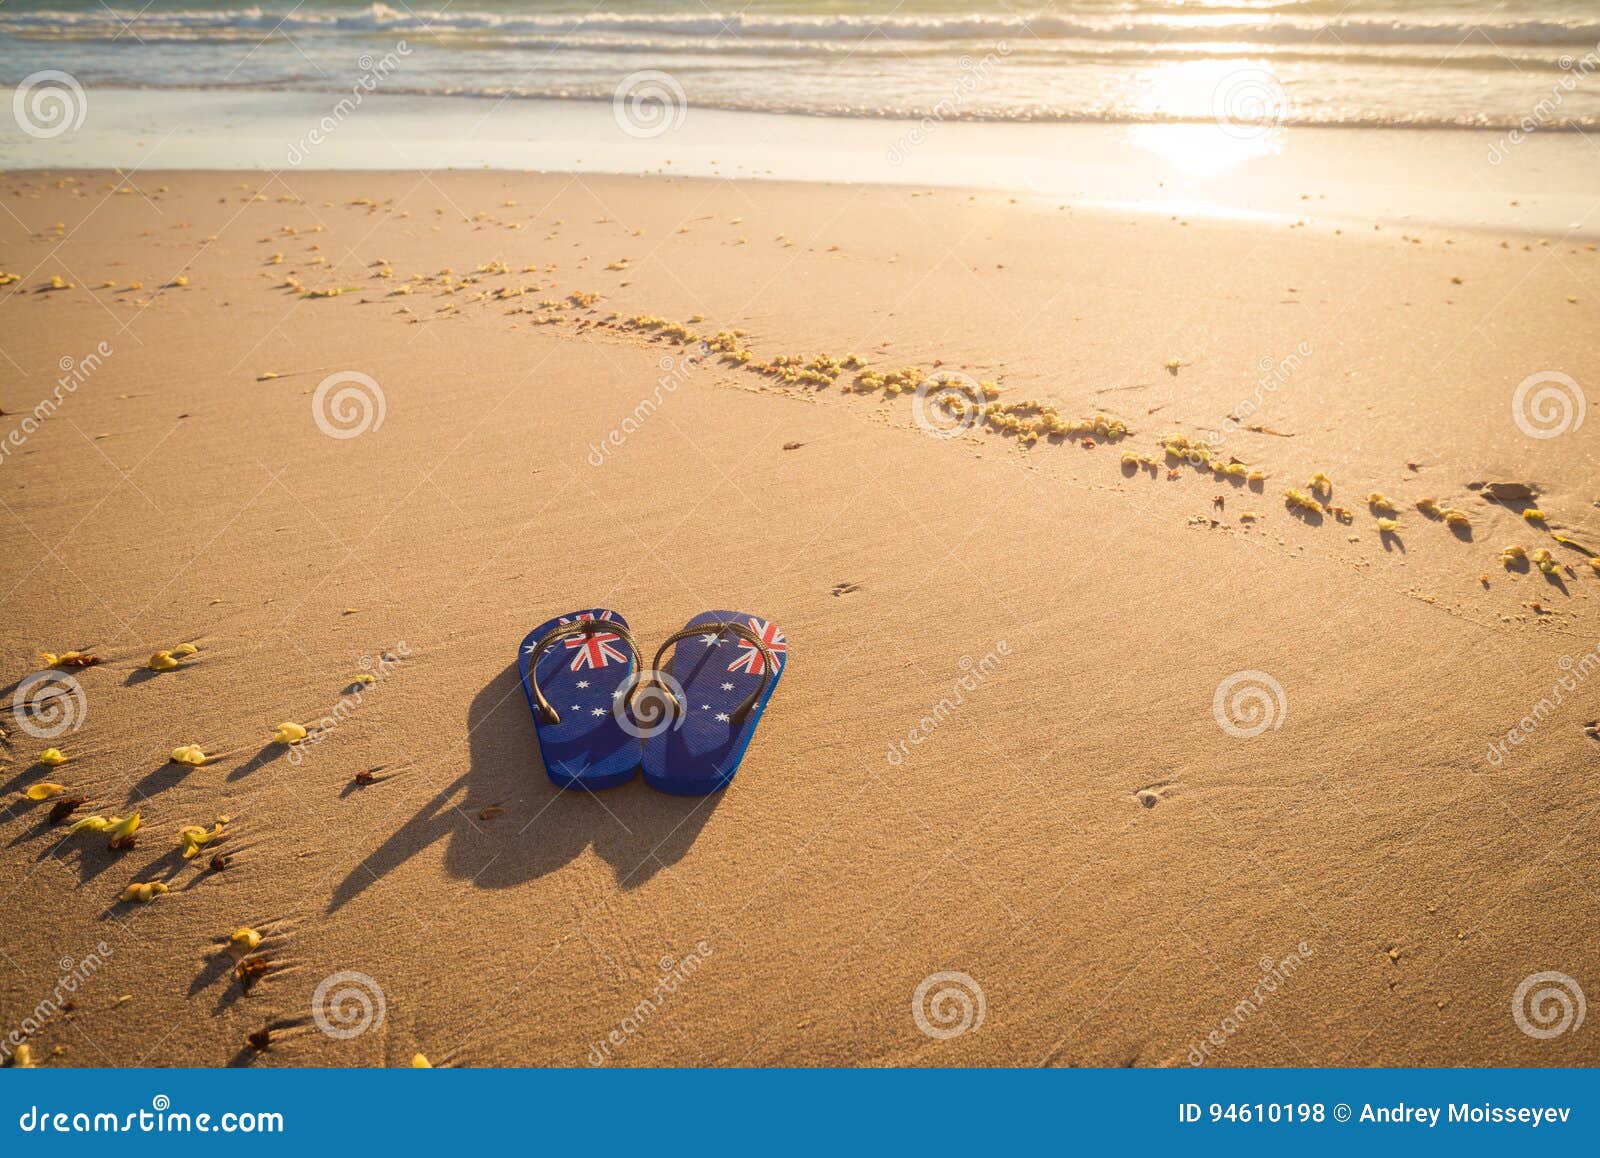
<point x="1244" y="26"/>
<point x="1327" y="118"/>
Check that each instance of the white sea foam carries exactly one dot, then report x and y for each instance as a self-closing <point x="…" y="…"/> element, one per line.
<point x="1248" y="28"/>
<point x="1339" y="62"/>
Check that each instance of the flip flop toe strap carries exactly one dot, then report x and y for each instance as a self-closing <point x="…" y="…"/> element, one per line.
<point x="548" y="714"/>
<point x="769" y="665"/>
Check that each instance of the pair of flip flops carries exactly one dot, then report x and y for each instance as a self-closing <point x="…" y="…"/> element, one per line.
<point x="601" y="718"/>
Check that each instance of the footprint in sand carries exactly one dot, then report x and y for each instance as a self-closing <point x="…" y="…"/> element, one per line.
<point x="1152" y="794"/>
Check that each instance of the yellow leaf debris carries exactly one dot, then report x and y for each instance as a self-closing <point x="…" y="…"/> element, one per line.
<point x="119" y="830"/>
<point x="192" y="838"/>
<point x="289" y="733"/>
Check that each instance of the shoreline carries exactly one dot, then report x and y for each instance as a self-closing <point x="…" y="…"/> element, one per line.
<point x="902" y="115"/>
<point x="1343" y="176"/>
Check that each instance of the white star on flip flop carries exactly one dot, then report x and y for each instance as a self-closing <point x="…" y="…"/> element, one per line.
<point x="722" y="717"/>
<point x="577" y="707"/>
<point x="705" y="707"/>
<point x="710" y="640"/>
<point x="527" y="649"/>
<point x="583" y="683"/>
<point x="727" y="687"/>
<point x="597" y="711"/>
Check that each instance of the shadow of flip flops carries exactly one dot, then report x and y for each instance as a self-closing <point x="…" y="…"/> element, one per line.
<point x="539" y="828"/>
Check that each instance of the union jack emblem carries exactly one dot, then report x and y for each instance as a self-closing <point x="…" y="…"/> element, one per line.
<point x="594" y="648"/>
<point x="750" y="660"/>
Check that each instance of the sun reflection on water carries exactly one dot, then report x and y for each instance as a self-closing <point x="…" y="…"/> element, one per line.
<point x="1233" y="111"/>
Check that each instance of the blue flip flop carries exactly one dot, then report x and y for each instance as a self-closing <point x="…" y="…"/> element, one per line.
<point x="722" y="675"/>
<point x="576" y="669"/>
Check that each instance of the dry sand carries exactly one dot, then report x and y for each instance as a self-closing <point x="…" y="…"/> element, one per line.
<point x="1399" y="884"/>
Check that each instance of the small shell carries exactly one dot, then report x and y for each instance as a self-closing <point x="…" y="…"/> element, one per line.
<point x="142" y="893"/>
<point x="44" y="790"/>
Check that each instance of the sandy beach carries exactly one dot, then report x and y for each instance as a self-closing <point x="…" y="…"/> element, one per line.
<point x="1094" y="748"/>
